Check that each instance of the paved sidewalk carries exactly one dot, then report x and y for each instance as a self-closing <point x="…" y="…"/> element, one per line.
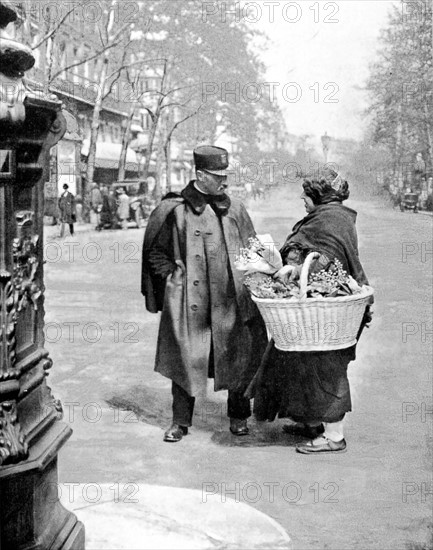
<point x="102" y="342"/>
<point x="146" y="517"/>
<point x="52" y="231"/>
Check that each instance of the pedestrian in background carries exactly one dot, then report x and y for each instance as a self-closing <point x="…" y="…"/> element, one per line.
<point x="151" y="189"/>
<point x="79" y="208"/>
<point x="67" y="210"/>
<point x="96" y="203"/>
<point x="423" y="196"/>
<point x="395" y="194"/>
<point x="106" y="219"/>
<point x="123" y="208"/>
<point x="210" y="327"/>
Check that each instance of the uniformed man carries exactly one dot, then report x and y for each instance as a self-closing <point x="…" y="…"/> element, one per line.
<point x="209" y="325"/>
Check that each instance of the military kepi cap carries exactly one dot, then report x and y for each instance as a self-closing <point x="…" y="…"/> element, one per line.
<point x="212" y="159"/>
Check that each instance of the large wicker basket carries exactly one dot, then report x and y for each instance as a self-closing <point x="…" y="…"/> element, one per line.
<point x="314" y="324"/>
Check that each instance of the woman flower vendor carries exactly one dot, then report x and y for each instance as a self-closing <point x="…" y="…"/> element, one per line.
<point x="312" y="388"/>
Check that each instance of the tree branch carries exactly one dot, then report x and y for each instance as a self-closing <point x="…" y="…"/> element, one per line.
<point x="78" y="63"/>
<point x="117" y="73"/>
<point x="151" y="113"/>
<point x="125" y="66"/>
<point x="120" y="31"/>
<point x="182" y="121"/>
<point x="56" y="27"/>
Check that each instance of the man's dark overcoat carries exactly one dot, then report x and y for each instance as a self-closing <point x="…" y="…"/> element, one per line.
<point x="67" y="207"/>
<point x="209" y="324"/>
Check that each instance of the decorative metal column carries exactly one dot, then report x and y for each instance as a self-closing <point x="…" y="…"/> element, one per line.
<point x="31" y="433"/>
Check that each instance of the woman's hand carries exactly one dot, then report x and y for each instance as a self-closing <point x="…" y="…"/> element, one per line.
<point x="288" y="273"/>
<point x="181" y="265"/>
<point x="368" y="316"/>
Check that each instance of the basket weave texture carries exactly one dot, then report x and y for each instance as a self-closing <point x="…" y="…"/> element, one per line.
<point x="314" y="324"/>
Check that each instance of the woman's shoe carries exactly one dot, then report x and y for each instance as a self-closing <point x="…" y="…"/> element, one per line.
<point x="310" y="432"/>
<point x="239" y="427"/>
<point x="175" y="433"/>
<point x="322" y="445"/>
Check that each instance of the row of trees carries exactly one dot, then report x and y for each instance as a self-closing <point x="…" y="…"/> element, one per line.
<point x="401" y="92"/>
<point x="196" y="65"/>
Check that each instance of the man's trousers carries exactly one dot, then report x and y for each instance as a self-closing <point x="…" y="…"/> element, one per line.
<point x="238" y="406"/>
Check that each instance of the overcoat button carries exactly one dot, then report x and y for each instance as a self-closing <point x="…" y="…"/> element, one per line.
<point x="195" y="283"/>
<point x="194" y="307"/>
<point x="197" y="232"/>
<point x="197" y="257"/>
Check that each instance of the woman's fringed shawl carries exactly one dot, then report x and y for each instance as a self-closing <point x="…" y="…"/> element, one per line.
<point x="329" y="229"/>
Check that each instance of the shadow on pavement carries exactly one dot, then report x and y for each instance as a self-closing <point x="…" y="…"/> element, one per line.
<point x="153" y="406"/>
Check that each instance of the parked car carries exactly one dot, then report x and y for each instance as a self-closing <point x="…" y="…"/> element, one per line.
<point x="409" y="201"/>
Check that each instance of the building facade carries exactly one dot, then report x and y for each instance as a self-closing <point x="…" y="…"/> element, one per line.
<point x="68" y="66"/>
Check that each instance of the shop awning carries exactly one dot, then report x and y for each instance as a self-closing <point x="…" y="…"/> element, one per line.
<point x="136" y="128"/>
<point x="108" y="155"/>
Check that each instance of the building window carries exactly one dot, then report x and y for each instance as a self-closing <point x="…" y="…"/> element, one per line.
<point x="103" y="131"/>
<point x="145" y="121"/>
<point x="110" y="133"/>
<point x="86" y="66"/>
<point x="62" y="58"/>
<point x="75" y="70"/>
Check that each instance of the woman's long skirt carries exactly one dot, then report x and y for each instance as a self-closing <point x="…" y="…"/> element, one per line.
<point x="304" y="386"/>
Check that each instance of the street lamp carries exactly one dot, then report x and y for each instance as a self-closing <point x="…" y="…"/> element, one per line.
<point x="326" y="140"/>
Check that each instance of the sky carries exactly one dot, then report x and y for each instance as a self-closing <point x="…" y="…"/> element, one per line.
<point x="319" y="53"/>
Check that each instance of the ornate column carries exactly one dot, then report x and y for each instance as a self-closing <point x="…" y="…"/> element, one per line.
<point x="31" y="433"/>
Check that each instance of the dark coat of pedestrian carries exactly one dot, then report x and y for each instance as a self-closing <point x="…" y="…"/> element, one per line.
<point x="67" y="211"/>
<point x="95" y="198"/>
<point x="67" y="206"/>
<point x="209" y="325"/>
<point x="123" y="208"/>
<point x="108" y="211"/>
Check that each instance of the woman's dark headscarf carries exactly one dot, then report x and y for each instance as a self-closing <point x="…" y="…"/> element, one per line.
<point x="327" y="187"/>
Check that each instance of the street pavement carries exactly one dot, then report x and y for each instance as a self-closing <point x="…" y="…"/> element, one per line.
<point x="378" y="495"/>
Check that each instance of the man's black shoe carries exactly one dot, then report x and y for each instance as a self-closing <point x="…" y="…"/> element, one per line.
<point x="239" y="427"/>
<point x="175" y="433"/>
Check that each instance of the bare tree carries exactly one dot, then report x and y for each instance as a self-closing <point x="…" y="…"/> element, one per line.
<point x="109" y="37"/>
<point x="134" y="82"/>
<point x="167" y="98"/>
<point x="109" y="67"/>
<point x="167" y="143"/>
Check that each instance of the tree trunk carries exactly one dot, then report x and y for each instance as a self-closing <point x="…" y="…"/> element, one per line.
<point x="154" y="127"/>
<point x="125" y="142"/>
<point x="167" y="153"/>
<point x="49" y="60"/>
<point x="155" y="122"/>
<point x="103" y="72"/>
<point x="398" y="169"/>
<point x="158" y="169"/>
<point x="90" y="169"/>
<point x="427" y="121"/>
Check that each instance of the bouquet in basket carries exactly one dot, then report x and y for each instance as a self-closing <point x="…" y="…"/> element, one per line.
<point x="261" y="260"/>
<point x="261" y="256"/>
<point x="321" y="311"/>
